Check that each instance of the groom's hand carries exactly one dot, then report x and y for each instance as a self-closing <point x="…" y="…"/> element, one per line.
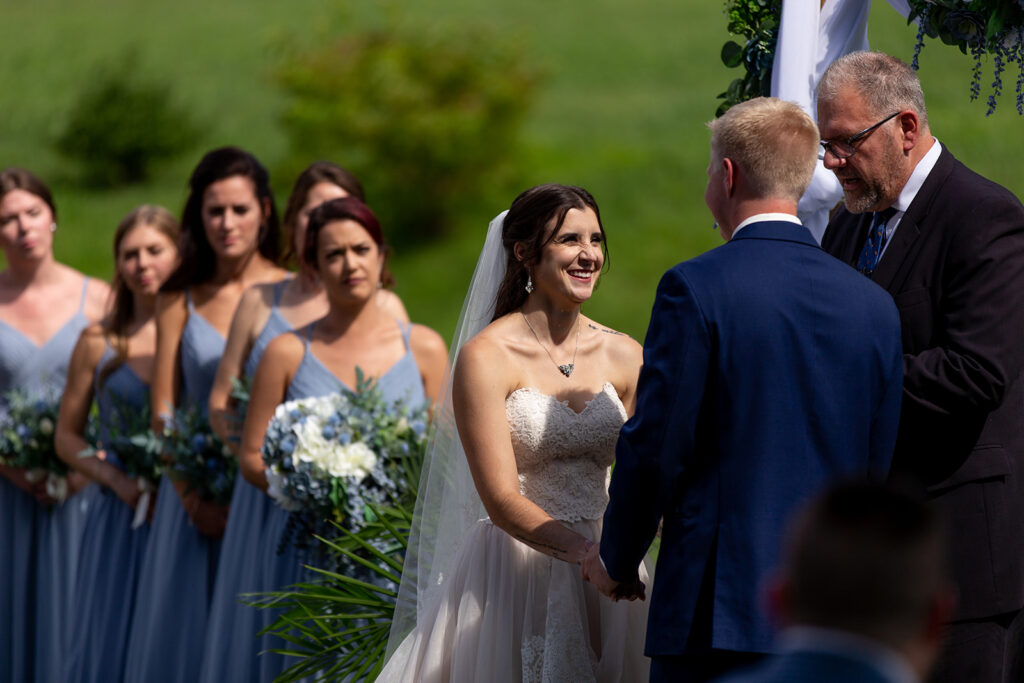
<point x="592" y="570"/>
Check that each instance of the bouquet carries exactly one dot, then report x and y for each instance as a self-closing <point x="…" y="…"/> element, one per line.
<point x="337" y="458"/>
<point x="27" y="425"/>
<point x="198" y="457"/>
<point x="140" y="451"/>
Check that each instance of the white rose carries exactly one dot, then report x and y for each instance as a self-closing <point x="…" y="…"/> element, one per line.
<point x="311" y="445"/>
<point x="354" y="460"/>
<point x="46" y="426"/>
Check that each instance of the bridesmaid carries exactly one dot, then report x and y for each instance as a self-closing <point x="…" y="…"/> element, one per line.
<point x="113" y="363"/>
<point x="345" y="247"/>
<point x="43" y="307"/>
<point x="265" y="312"/>
<point x="229" y="243"/>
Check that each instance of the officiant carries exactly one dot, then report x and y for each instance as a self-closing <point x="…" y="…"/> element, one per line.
<point x="948" y="245"/>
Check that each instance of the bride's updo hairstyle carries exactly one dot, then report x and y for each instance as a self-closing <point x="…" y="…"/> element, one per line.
<point x="345" y="209"/>
<point x="526" y="224"/>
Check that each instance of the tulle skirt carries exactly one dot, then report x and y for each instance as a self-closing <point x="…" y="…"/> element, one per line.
<point x="510" y="613"/>
<point x="109" y="567"/>
<point x="173" y="598"/>
<point x="232" y="646"/>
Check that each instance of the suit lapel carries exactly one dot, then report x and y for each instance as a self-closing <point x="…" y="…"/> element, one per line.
<point x="909" y="229"/>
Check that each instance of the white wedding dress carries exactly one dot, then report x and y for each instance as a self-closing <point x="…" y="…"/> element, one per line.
<point x="510" y="613"/>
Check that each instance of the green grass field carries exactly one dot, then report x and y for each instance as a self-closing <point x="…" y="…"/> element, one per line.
<point x="621" y="111"/>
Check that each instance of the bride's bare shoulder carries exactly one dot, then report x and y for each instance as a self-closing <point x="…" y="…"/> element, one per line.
<point x="492" y="350"/>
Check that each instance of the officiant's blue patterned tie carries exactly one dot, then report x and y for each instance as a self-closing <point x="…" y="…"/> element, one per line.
<point x="872" y="251"/>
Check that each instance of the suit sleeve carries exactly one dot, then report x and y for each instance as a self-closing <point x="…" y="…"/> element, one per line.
<point x="657" y="441"/>
<point x="885" y="425"/>
<point x="981" y="316"/>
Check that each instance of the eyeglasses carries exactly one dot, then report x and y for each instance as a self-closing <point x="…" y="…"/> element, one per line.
<point x="844" y="149"/>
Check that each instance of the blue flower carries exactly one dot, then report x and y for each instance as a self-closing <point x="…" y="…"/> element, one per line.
<point x="344" y="438"/>
<point x="328" y="432"/>
<point x="418" y="427"/>
<point x="198" y="443"/>
<point x="287" y="445"/>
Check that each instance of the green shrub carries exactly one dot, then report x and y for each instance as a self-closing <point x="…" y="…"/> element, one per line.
<point x="121" y="124"/>
<point x="426" y="119"/>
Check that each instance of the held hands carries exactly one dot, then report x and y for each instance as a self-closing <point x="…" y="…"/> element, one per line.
<point x="592" y="570"/>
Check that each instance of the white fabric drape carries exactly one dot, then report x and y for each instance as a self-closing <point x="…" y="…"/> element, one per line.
<point x="812" y="35"/>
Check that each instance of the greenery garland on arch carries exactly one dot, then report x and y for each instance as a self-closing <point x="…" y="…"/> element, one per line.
<point x="995" y="27"/>
<point x="978" y="26"/>
<point x="757" y="21"/>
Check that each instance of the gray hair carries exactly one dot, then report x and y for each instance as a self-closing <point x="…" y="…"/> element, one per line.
<point x="887" y="84"/>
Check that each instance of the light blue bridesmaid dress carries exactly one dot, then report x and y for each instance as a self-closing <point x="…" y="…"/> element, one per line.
<point x="38" y="547"/>
<point x="232" y="647"/>
<point x="110" y="561"/>
<point x="402" y="382"/>
<point x="179" y="566"/>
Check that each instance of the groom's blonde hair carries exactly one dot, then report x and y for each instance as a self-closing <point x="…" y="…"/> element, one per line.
<point x="774" y="143"/>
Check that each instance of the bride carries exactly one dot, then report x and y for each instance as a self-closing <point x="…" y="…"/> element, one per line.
<point x="491" y="590"/>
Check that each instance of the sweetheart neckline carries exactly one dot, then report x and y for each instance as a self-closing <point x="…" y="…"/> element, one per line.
<point x="565" y="402"/>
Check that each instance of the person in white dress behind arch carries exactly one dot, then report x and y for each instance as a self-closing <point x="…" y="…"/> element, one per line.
<point x="538" y="397"/>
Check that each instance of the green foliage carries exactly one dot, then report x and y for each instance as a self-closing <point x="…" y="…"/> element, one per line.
<point x="427" y="119"/>
<point x="121" y="125"/>
<point x="995" y="27"/>
<point x="337" y="626"/>
<point x="757" y="21"/>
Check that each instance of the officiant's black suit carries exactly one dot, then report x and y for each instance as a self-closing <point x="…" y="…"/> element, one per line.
<point x="955" y="267"/>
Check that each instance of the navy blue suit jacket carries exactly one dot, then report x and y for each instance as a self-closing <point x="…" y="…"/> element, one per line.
<point x="770" y="369"/>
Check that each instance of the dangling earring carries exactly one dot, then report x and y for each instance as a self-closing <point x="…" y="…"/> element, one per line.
<point x="53" y="227"/>
<point x="529" y="283"/>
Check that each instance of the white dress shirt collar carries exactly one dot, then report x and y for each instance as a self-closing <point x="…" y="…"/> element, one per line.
<point x="917" y="178"/>
<point x="760" y="217"/>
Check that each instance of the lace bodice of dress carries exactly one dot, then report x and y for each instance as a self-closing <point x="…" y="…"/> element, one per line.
<point x="564" y="457"/>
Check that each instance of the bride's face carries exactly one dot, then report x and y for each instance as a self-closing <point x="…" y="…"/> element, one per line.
<point x="571" y="261"/>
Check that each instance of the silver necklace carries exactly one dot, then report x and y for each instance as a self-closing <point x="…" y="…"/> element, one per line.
<point x="568" y="367"/>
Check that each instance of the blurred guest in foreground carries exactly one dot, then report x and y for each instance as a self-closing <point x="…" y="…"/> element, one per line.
<point x="864" y="591"/>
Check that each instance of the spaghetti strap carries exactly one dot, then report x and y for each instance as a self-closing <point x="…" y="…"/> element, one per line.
<point x="85" y="290"/>
<point x="188" y="301"/>
<point x="309" y="334"/>
<point x="406" y="329"/>
<point x="279" y="291"/>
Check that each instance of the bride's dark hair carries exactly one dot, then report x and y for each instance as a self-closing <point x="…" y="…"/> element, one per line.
<point x="526" y="224"/>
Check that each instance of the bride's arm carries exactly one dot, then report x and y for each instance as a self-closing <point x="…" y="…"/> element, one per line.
<point x="479" y="389"/>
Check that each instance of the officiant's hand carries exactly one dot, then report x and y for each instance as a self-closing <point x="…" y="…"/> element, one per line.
<point x="592" y="570"/>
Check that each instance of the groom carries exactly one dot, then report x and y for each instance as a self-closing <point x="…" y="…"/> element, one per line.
<point x="770" y="369"/>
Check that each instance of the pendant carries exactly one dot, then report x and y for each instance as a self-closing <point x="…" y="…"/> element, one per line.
<point x="567" y="368"/>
